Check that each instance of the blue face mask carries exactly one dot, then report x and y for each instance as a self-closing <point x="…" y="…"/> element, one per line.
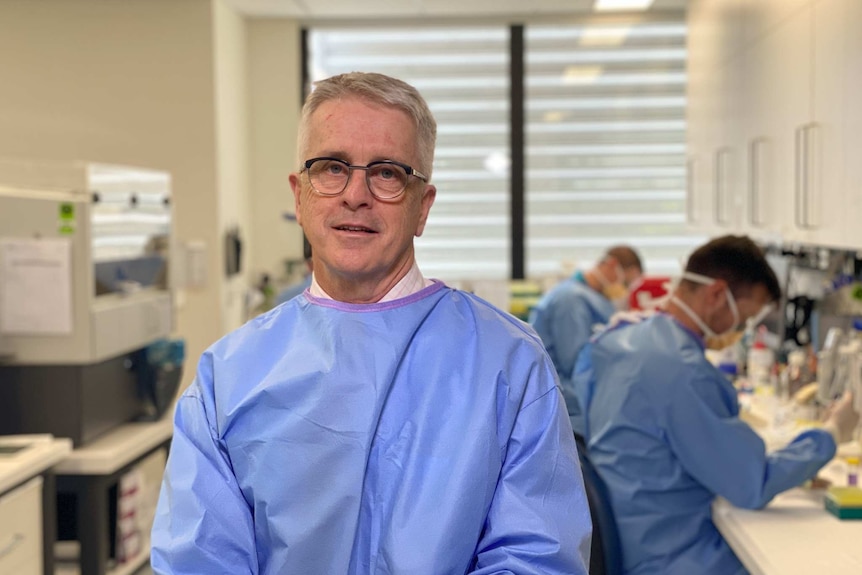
<point x="708" y="333"/>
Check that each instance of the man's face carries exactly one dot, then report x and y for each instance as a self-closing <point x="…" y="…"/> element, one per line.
<point x="356" y="237"/>
<point x="631" y="275"/>
<point x="749" y="305"/>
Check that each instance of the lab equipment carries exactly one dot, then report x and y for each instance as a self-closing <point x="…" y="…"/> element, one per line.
<point x="796" y="375"/>
<point x="853" y="471"/>
<point x="85" y="283"/>
<point x="844" y="502"/>
<point x="649" y="292"/>
<point x="829" y="387"/>
<point x="847" y="374"/>
<point x="158" y="368"/>
<point x="759" y="362"/>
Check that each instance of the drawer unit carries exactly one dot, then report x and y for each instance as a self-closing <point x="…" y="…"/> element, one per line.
<point x="21" y="529"/>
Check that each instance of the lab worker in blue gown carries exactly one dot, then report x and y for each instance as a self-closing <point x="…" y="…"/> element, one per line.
<point x="663" y="427"/>
<point x="567" y="316"/>
<point x="381" y="422"/>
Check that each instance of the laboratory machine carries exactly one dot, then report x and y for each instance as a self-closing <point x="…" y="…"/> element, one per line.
<point x="85" y="292"/>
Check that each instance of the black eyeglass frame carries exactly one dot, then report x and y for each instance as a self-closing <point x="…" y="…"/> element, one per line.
<point x="409" y="170"/>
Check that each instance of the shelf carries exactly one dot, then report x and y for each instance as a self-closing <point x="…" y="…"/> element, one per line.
<point x="69" y="566"/>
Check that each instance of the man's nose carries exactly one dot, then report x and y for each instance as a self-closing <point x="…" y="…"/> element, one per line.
<point x="357" y="193"/>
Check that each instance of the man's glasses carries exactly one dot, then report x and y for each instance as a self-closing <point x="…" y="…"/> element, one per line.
<point x="386" y="179"/>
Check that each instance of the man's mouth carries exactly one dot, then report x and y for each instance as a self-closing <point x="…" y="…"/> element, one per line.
<point x="355" y="229"/>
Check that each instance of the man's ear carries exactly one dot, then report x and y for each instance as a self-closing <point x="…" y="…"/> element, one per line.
<point x="716" y="293"/>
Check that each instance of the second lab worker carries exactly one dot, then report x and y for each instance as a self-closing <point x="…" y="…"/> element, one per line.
<point x="566" y="316"/>
<point x="662" y="424"/>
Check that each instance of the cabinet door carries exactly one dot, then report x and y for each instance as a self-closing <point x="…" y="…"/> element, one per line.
<point x="700" y="116"/>
<point x="778" y="71"/>
<point x="820" y="204"/>
<point x="714" y="159"/>
<point x="729" y="152"/>
<point x="853" y="122"/>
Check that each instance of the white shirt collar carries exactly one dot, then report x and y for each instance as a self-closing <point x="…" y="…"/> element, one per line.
<point x="412" y="282"/>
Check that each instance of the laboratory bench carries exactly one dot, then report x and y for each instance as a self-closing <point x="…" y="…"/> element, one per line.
<point x="28" y="502"/>
<point x="88" y="473"/>
<point x="794" y="534"/>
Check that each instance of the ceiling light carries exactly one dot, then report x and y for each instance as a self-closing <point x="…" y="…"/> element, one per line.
<point x="613" y="5"/>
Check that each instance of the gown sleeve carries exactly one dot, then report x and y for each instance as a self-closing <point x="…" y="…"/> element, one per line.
<point x="723" y="453"/>
<point x="539" y="520"/>
<point x="203" y="524"/>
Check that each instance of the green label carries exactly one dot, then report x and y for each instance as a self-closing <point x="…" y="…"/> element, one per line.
<point x="67" y="211"/>
<point x="66" y="229"/>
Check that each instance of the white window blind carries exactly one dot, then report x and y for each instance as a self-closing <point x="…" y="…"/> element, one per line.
<point x="605" y="144"/>
<point x="463" y="74"/>
<point x="605" y="138"/>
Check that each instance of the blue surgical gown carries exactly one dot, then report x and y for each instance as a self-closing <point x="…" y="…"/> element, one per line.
<point x="565" y="319"/>
<point x="663" y="432"/>
<point x="424" y="435"/>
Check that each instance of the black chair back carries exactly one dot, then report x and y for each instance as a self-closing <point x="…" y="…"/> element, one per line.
<point x="605" y="551"/>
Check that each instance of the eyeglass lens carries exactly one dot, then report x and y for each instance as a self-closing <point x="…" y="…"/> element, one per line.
<point x="331" y="177"/>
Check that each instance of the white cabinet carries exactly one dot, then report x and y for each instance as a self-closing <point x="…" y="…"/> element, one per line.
<point x="777" y="70"/>
<point x="852" y="122"/>
<point x="797" y="184"/>
<point x="781" y="140"/>
<point x="701" y="116"/>
<point x="21" y="529"/>
<point x="714" y="88"/>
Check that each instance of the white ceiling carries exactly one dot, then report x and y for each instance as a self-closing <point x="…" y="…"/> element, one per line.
<point x="340" y="9"/>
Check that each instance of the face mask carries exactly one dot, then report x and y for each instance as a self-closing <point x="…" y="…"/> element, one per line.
<point x="616" y="292"/>
<point x="711" y="339"/>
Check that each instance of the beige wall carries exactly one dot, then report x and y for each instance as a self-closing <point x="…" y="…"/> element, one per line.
<point x="229" y="53"/>
<point x="126" y="82"/>
<point x="186" y="86"/>
<point x="274" y="72"/>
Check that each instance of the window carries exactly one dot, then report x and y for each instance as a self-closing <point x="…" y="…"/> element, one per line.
<point x="605" y="144"/>
<point x="605" y="139"/>
<point x="463" y="74"/>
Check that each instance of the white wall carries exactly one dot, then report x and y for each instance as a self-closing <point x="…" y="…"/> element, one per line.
<point x="126" y="82"/>
<point x="274" y="72"/>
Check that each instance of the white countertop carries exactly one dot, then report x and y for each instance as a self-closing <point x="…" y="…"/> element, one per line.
<point x="116" y="448"/>
<point x="42" y="452"/>
<point x="794" y="534"/>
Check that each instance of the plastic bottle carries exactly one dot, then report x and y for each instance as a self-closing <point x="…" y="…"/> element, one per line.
<point x="853" y="471"/>
<point x="797" y="371"/>
<point x="759" y="362"/>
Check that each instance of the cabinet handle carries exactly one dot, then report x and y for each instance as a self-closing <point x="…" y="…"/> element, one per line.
<point x="755" y="215"/>
<point x="689" y="190"/>
<point x="812" y="176"/>
<point x="800" y="175"/>
<point x="9" y="547"/>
